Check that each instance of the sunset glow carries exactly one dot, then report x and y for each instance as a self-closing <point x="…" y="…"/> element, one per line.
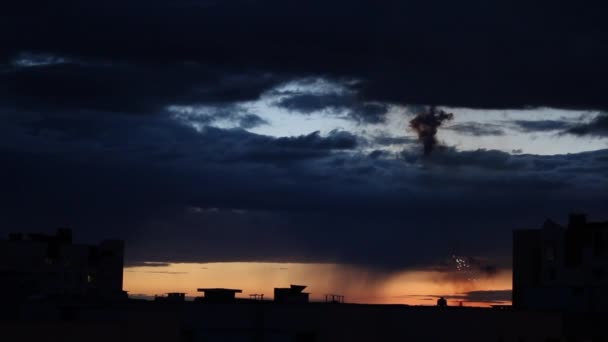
<point x="420" y="287"/>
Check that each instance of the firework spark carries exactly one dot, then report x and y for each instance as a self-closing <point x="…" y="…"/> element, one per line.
<point x="464" y="267"/>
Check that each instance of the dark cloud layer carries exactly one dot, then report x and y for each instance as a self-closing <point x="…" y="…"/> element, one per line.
<point x="348" y="104"/>
<point x="178" y="194"/>
<point x="597" y="127"/>
<point x="483" y="296"/>
<point x="92" y="136"/>
<point x="477" y="129"/>
<point x="237" y="116"/>
<point x="127" y="88"/>
<point x="502" y="54"/>
<point x="530" y="126"/>
<point x="496" y="296"/>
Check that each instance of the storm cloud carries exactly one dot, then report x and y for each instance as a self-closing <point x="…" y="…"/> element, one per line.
<point x="134" y="119"/>
<point x="99" y="54"/>
<point x="140" y="178"/>
<point x="597" y="127"/>
<point x="352" y="107"/>
<point x="477" y="129"/>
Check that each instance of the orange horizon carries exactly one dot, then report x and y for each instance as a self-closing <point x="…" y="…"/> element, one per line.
<point x="358" y="285"/>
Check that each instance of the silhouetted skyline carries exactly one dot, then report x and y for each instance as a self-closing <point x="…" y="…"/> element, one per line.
<point x="559" y="293"/>
<point x="554" y="268"/>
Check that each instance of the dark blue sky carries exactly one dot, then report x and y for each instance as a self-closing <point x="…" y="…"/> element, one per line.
<point x="278" y="130"/>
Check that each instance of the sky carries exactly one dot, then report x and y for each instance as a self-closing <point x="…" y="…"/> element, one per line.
<point x="251" y="134"/>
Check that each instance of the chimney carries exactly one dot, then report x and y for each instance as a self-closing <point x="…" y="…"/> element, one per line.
<point x="577" y="220"/>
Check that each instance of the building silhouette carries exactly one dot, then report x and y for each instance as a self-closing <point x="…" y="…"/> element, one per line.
<point x="562" y="268"/>
<point x="219" y="295"/>
<point x="292" y="294"/>
<point x="442" y="302"/>
<point x="547" y="262"/>
<point x="40" y="265"/>
<point x="171" y="297"/>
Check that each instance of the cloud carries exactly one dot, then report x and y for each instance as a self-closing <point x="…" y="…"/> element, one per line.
<point x="236" y="146"/>
<point x="346" y="104"/>
<point x="138" y="177"/>
<point x="375" y="154"/>
<point x="541" y="125"/>
<point x="251" y="120"/>
<point x="112" y="86"/>
<point x="89" y="136"/>
<point x="34" y="60"/>
<point x="201" y="116"/>
<point x="335" y="140"/>
<point x="132" y="264"/>
<point x="597" y="127"/>
<point x="477" y="129"/>
<point x="495" y="296"/>
<point x="159" y="272"/>
<point x="385" y="140"/>
<point x="480" y="296"/>
<point x="483" y="159"/>
<point x="220" y="51"/>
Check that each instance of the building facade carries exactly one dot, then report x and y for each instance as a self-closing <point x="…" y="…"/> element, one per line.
<point x="40" y="265"/>
<point x="562" y="268"/>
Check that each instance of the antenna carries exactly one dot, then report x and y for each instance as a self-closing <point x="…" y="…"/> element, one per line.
<point x="256" y="296"/>
<point x="334" y="299"/>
